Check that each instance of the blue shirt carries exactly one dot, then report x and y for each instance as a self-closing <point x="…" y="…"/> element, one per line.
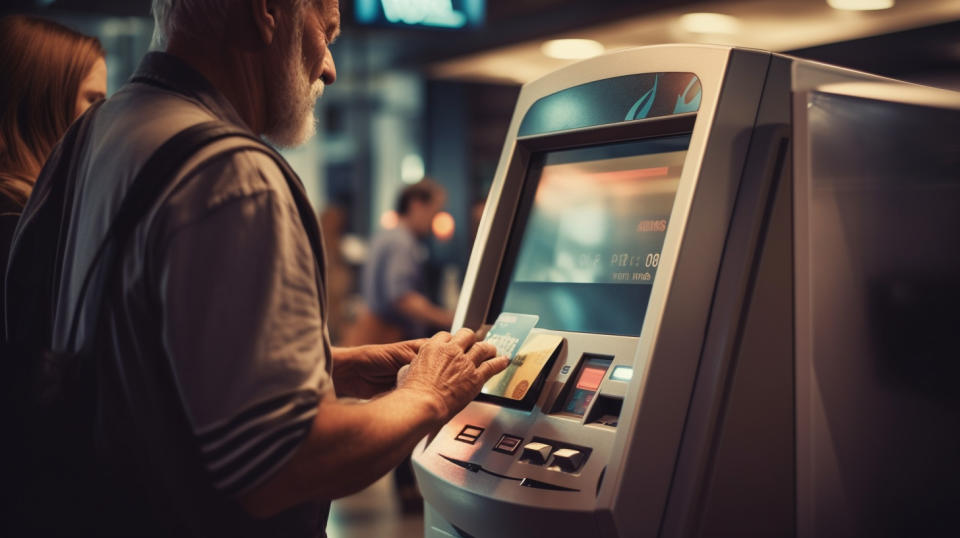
<point x="394" y="268"/>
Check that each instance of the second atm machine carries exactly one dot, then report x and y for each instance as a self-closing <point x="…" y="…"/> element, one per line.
<point x="706" y="262"/>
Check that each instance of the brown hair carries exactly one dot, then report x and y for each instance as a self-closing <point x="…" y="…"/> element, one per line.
<point x="423" y="191"/>
<point x="42" y="64"/>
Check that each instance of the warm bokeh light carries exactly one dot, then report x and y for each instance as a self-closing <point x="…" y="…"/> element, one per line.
<point x="572" y="49"/>
<point x="389" y="220"/>
<point x="709" y="23"/>
<point x="860" y="5"/>
<point x="443" y="226"/>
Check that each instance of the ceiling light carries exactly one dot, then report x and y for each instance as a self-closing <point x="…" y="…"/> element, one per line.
<point x="571" y="49"/>
<point x="860" y="5"/>
<point x="709" y="23"/>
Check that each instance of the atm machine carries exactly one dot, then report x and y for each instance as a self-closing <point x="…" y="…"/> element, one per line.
<point x="728" y="279"/>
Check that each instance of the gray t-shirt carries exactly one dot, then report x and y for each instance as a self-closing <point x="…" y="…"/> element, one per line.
<point x="217" y="342"/>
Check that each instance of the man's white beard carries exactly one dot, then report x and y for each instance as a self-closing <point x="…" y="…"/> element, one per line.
<point x="292" y="121"/>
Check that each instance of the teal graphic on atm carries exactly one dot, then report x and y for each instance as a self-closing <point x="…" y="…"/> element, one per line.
<point x="614" y="100"/>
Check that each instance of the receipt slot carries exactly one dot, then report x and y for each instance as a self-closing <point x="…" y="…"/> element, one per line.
<point x="685" y="251"/>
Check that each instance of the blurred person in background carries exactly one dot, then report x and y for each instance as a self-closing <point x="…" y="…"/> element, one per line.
<point x="49" y="76"/>
<point x="220" y="407"/>
<point x="393" y="285"/>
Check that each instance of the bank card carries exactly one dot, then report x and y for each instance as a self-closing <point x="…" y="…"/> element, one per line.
<point x="509" y="331"/>
<point x="530" y="361"/>
<point x="524" y="368"/>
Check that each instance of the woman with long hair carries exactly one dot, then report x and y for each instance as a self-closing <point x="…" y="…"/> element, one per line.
<point x="49" y="75"/>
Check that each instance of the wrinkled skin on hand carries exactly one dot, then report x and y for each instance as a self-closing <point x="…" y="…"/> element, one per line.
<point x="453" y="368"/>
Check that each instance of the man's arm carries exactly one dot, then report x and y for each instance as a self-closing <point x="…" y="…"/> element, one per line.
<point x="351" y="445"/>
<point x="238" y="291"/>
<point x="366" y="371"/>
<point x="415" y="306"/>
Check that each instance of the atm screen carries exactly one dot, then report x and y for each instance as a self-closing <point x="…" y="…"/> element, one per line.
<point x="586" y="245"/>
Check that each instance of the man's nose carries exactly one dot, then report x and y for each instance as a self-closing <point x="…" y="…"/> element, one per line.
<point x="329" y="75"/>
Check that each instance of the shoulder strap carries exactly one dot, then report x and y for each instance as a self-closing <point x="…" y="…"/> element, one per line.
<point x="155" y="177"/>
<point x="308" y="216"/>
<point x="311" y="226"/>
<point x="156" y="174"/>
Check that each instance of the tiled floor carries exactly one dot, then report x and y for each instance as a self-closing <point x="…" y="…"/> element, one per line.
<point x="373" y="513"/>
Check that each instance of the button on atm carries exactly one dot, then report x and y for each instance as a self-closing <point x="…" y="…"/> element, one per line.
<point x="469" y="434"/>
<point x="508" y="444"/>
<point x="536" y="453"/>
<point x="568" y="459"/>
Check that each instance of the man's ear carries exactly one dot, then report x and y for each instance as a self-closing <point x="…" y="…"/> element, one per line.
<point x="264" y="14"/>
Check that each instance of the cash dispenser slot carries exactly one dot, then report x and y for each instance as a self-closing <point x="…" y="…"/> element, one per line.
<point x="605" y="411"/>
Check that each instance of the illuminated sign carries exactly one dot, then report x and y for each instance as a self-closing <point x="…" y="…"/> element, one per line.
<point x="428" y="13"/>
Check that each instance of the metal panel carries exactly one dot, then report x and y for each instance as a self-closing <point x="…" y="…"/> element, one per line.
<point x="735" y="471"/>
<point x="877" y="202"/>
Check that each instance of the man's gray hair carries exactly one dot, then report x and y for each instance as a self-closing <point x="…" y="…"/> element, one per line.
<point x="197" y="18"/>
<point x="188" y="17"/>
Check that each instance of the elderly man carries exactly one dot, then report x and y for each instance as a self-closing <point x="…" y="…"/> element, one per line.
<point x="221" y="410"/>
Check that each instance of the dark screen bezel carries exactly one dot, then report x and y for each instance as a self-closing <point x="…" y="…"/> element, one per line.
<point x="528" y="162"/>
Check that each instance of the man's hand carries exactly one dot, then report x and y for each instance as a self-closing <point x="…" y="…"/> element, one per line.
<point x="365" y="371"/>
<point x="351" y="445"/>
<point x="451" y="370"/>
